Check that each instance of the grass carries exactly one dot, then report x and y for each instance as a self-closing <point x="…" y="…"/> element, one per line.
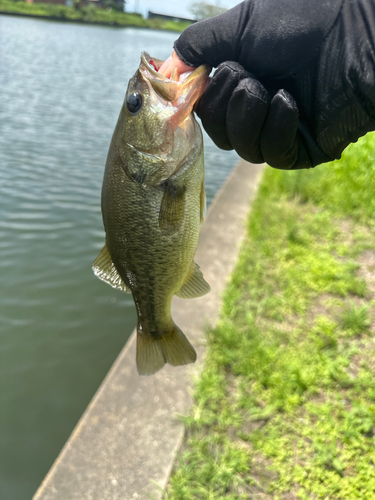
<point x="285" y="406"/>
<point x="89" y="14"/>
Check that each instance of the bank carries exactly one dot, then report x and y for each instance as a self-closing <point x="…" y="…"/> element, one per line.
<point x="86" y="15"/>
<point x="285" y="406"/>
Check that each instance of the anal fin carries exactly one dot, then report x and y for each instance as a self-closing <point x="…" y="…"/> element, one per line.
<point x="195" y="285"/>
<point x="105" y="270"/>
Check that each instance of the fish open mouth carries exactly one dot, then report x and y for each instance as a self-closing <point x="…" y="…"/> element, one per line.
<point x="182" y="91"/>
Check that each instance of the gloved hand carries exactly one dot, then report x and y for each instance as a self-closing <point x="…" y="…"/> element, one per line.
<point x="295" y="79"/>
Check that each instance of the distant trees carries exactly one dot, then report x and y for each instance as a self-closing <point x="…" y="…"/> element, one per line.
<point x="118" y="5"/>
<point x="204" y="10"/>
<point x="114" y="4"/>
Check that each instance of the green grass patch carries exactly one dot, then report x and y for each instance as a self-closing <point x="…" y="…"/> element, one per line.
<point x="285" y="407"/>
<point x="89" y="14"/>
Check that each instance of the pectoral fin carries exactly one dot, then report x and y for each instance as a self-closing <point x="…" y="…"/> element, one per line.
<point x="195" y="285"/>
<point x="105" y="270"/>
<point x="172" y="208"/>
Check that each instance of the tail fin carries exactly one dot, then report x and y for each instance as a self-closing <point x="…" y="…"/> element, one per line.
<point x="173" y="348"/>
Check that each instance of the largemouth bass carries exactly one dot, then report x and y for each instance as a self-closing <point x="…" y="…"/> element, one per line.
<point x="153" y="202"/>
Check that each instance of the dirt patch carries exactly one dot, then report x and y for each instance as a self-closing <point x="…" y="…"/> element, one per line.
<point x="324" y="305"/>
<point x="261" y="476"/>
<point x="367" y="270"/>
<point x="365" y="357"/>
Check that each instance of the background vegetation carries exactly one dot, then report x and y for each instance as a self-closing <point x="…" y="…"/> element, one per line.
<point x="88" y="14"/>
<point x="204" y="10"/>
<point x="285" y="406"/>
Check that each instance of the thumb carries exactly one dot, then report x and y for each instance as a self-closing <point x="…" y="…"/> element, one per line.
<point x="214" y="40"/>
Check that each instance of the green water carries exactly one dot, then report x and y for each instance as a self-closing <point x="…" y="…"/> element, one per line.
<point x="61" y="89"/>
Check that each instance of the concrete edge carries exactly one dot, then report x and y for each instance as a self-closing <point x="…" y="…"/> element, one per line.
<point x="125" y="443"/>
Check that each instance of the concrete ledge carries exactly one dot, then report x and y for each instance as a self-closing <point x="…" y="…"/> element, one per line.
<point x="124" y="445"/>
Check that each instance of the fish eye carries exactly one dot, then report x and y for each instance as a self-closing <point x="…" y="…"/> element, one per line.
<point x="134" y="102"/>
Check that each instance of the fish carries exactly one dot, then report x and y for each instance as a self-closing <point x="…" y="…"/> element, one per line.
<point x="153" y="205"/>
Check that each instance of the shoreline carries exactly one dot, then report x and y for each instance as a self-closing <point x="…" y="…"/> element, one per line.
<point x="98" y="22"/>
<point x="79" y="20"/>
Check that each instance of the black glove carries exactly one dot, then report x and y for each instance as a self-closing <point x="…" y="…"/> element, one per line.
<point x="295" y="79"/>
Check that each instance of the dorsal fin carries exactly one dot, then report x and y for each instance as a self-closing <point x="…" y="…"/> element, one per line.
<point x="105" y="270"/>
<point x="195" y="285"/>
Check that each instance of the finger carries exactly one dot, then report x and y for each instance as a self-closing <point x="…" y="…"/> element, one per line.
<point x="213" y="105"/>
<point x="279" y="143"/>
<point x="215" y="40"/>
<point x="286" y="141"/>
<point x="165" y="68"/>
<point x="171" y="63"/>
<point x="270" y="38"/>
<point x="247" y="111"/>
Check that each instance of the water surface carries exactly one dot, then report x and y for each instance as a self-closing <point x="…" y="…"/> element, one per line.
<point x="61" y="89"/>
